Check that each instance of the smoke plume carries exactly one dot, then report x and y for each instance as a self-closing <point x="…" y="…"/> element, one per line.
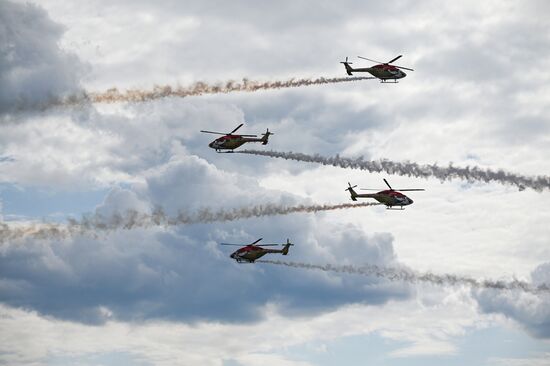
<point x="139" y="95"/>
<point x="470" y="174"/>
<point x="407" y="275"/>
<point x="93" y="224"/>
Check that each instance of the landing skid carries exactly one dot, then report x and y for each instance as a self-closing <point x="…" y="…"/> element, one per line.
<point x="396" y="209"/>
<point x="389" y="82"/>
<point x="225" y="152"/>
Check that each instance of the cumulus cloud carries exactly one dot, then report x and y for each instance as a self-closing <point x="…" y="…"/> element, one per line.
<point x="181" y="273"/>
<point x="529" y="310"/>
<point x="34" y="70"/>
<point x="88" y="148"/>
<point x="492" y="112"/>
<point x="32" y="338"/>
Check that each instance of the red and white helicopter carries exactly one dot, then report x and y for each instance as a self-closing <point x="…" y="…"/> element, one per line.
<point x="229" y="141"/>
<point x="251" y="252"/>
<point x="383" y="71"/>
<point x="389" y="197"/>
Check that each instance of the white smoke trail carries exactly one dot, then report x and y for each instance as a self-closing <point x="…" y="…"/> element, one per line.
<point x="470" y="174"/>
<point x="93" y="224"/>
<point x="113" y="95"/>
<point x="406" y="275"/>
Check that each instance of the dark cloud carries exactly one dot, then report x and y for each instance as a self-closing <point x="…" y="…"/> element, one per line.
<point x="181" y="273"/>
<point x="34" y="70"/>
<point x="529" y="310"/>
<point x="185" y="276"/>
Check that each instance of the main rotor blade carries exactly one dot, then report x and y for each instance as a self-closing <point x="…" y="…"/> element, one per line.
<point x="239" y="126"/>
<point x="395" y="59"/>
<point x="267" y="245"/>
<point x="217" y="133"/>
<point x="410" y="189"/>
<point x="368" y="59"/>
<point x="370" y="189"/>
<point x="401" y="67"/>
<point x="238" y="245"/>
<point x="248" y="135"/>
<point x="388" y="184"/>
<point x="256" y="241"/>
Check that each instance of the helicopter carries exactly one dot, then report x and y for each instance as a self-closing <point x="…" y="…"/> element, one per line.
<point x="383" y="71"/>
<point x="229" y="141"/>
<point x="389" y="197"/>
<point x="251" y="252"/>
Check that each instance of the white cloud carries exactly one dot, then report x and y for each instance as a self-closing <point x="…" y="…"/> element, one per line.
<point x="152" y="274"/>
<point x="530" y="310"/>
<point x="85" y="148"/>
<point x="536" y="360"/>
<point x="476" y="97"/>
<point x="32" y="338"/>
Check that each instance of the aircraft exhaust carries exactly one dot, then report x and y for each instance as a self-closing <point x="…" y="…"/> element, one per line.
<point x="113" y="95"/>
<point x="94" y="224"/>
<point x="406" y="275"/>
<point x="470" y="174"/>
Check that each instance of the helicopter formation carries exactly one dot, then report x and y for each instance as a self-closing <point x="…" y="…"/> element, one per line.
<point x="228" y="142"/>
<point x="385" y="71"/>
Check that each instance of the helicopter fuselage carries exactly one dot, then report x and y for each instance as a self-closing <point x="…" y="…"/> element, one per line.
<point x="250" y="253"/>
<point x="382" y="72"/>
<point x="232" y="142"/>
<point x="385" y="72"/>
<point x="389" y="198"/>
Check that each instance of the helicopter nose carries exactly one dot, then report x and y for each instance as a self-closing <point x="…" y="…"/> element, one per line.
<point x="211" y="144"/>
<point x="410" y="201"/>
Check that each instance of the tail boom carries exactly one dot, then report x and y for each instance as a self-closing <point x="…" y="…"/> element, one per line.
<point x="349" y="69"/>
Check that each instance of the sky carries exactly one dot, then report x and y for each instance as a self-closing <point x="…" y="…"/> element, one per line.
<point x="169" y="294"/>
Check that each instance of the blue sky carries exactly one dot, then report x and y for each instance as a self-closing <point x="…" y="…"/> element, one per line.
<point x="166" y="295"/>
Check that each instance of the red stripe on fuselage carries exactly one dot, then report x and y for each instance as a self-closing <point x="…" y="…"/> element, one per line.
<point x="392" y="193"/>
<point x="225" y="138"/>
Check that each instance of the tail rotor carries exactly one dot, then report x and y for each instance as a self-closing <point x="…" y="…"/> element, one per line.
<point x="347" y="64"/>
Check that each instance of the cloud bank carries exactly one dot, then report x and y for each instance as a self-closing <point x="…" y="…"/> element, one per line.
<point x="184" y="276"/>
<point x="529" y="310"/>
